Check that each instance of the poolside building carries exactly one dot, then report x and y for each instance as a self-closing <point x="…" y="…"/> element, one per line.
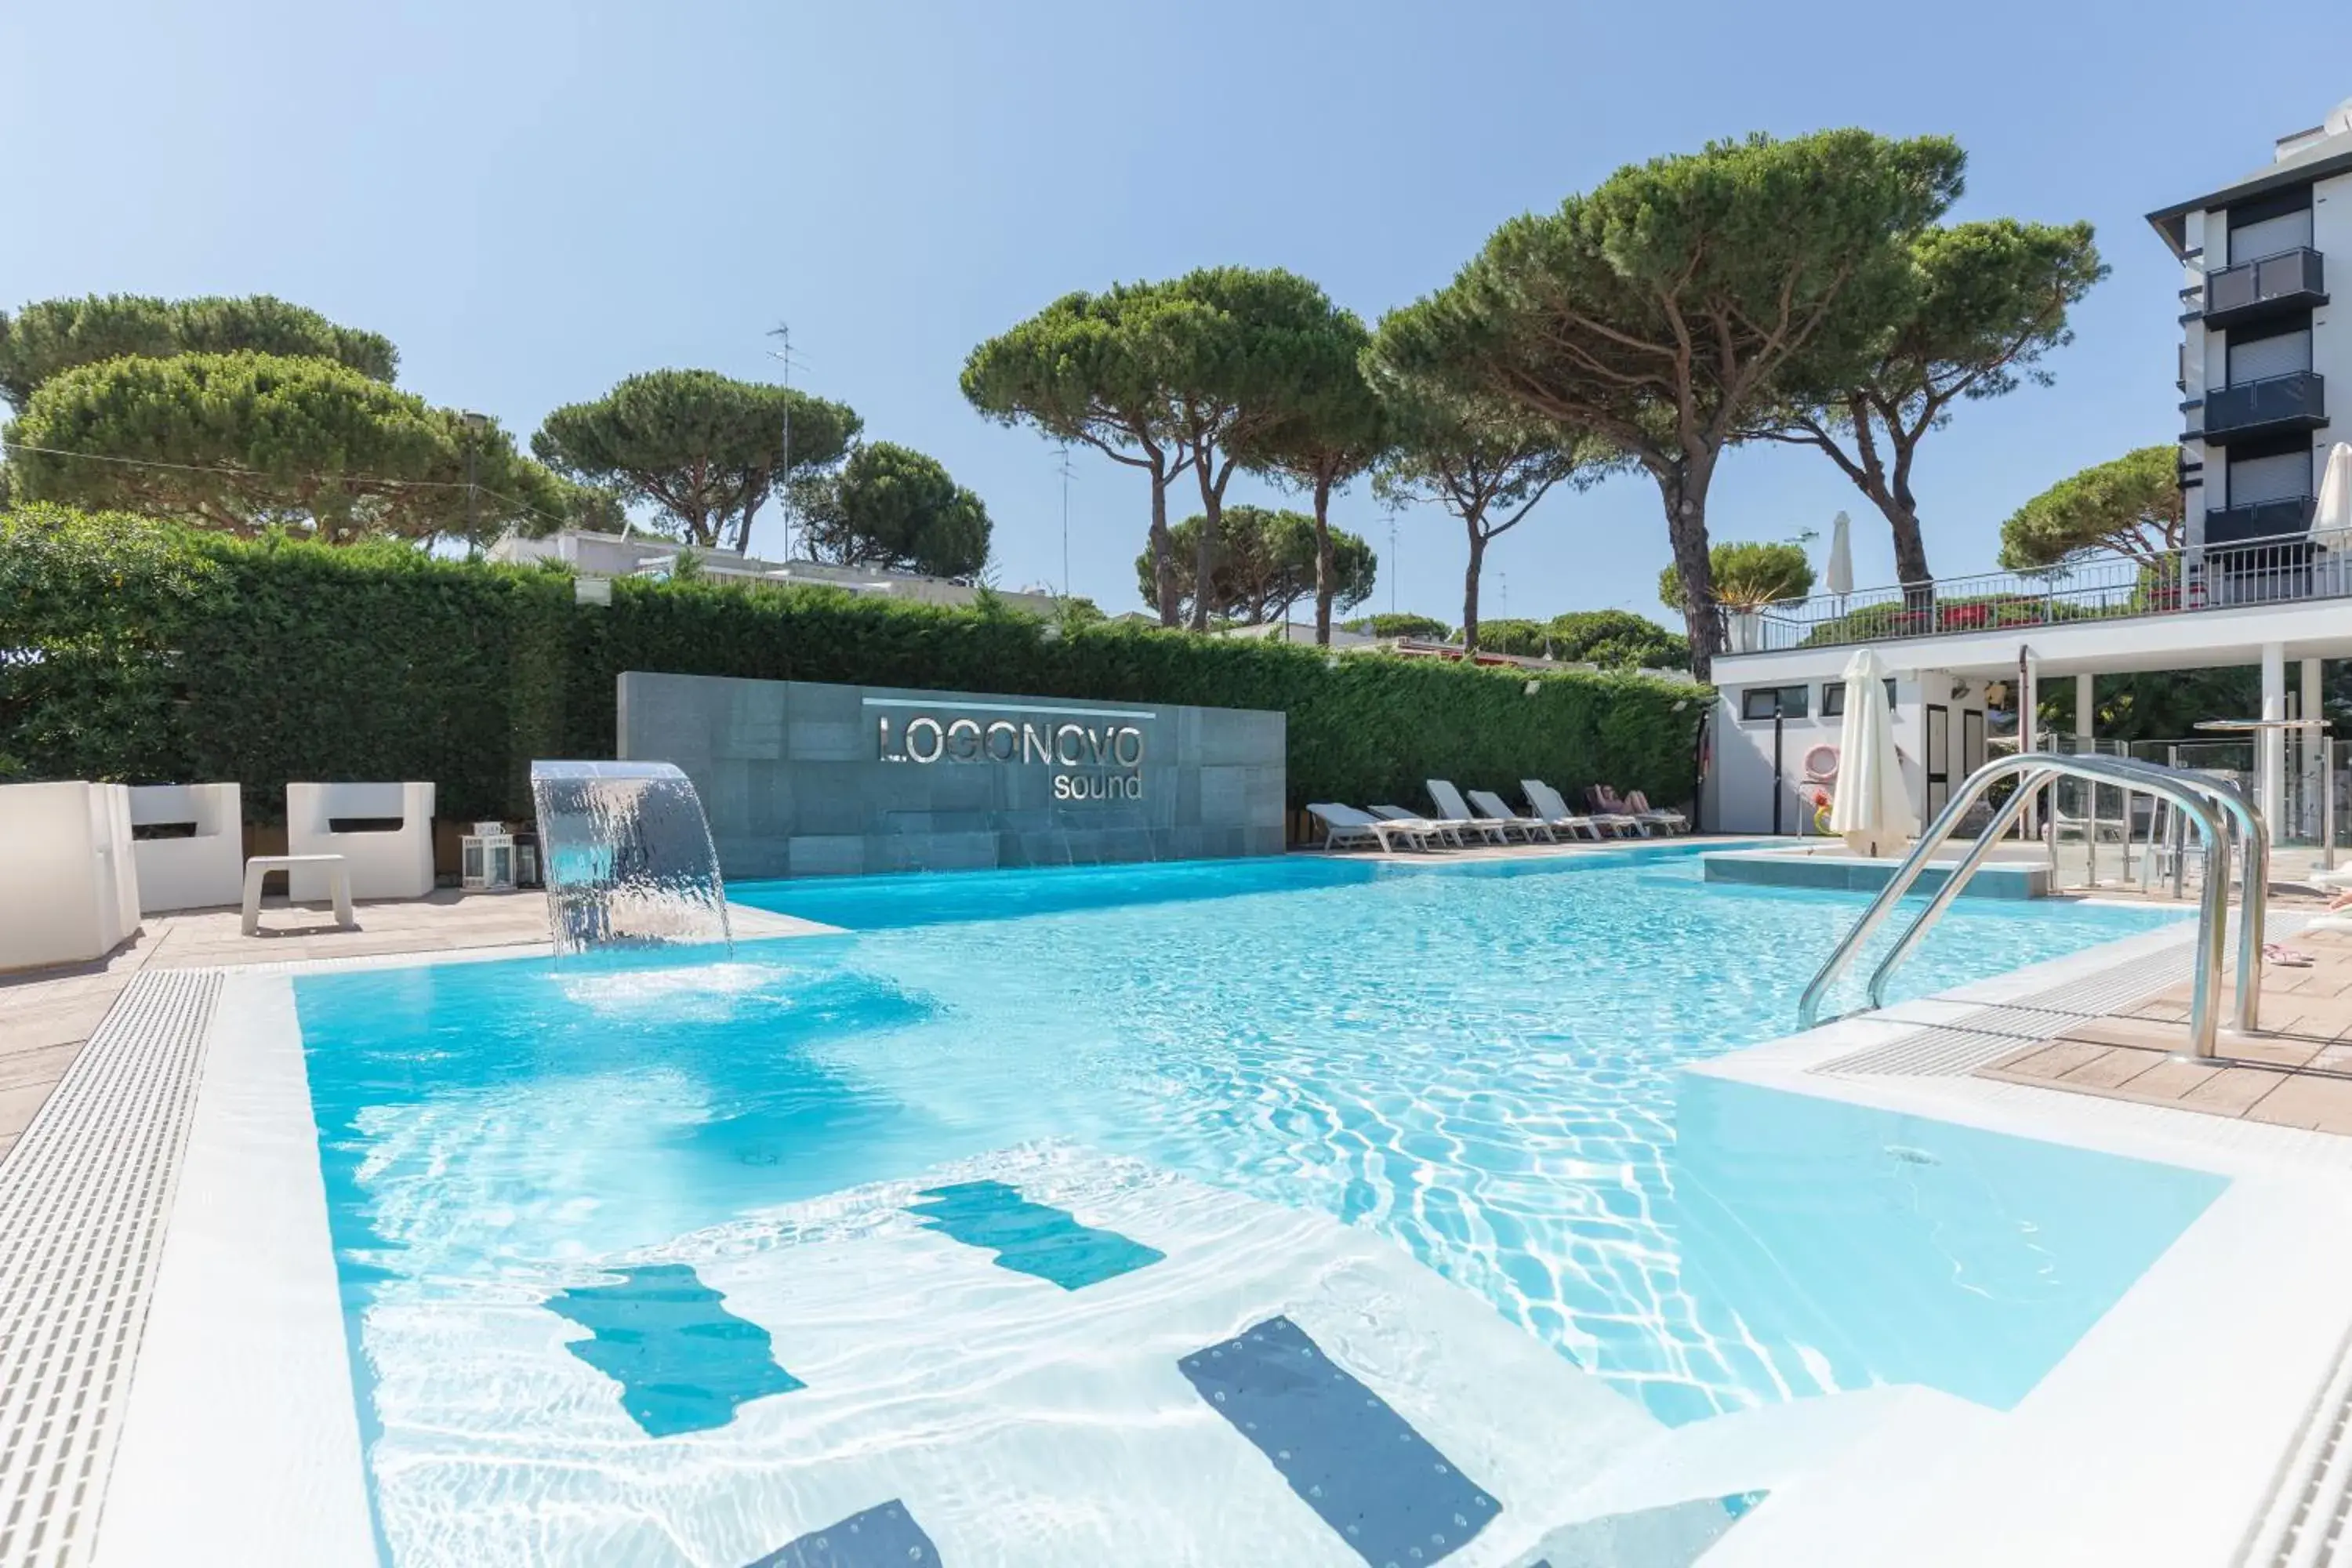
<point x="595" y="555"/>
<point x="2252" y="584"/>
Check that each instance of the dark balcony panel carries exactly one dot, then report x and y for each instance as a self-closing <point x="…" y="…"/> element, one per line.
<point x="2274" y="286"/>
<point x="2263" y="519"/>
<point x="2271" y="406"/>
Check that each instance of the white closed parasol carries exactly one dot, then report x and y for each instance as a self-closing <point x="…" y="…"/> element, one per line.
<point x="1837" y="576"/>
<point x="1872" y="808"/>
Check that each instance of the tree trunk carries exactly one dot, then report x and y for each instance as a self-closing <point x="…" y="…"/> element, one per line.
<point x="1686" y="498"/>
<point x="1902" y="513"/>
<point x="1163" y="544"/>
<point x="1470" y="591"/>
<point x="1205" y="562"/>
<point x="1327" y="567"/>
<point x="743" y="530"/>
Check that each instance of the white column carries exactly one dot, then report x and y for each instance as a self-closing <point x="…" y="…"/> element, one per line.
<point x="2307" y="742"/>
<point x="2270" y="748"/>
<point x="2085" y="701"/>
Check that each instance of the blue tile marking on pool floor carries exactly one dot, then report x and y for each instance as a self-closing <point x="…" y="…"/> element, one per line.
<point x="683" y="1362"/>
<point x="885" y="1536"/>
<point x="1391" y="1495"/>
<point x="1030" y="1238"/>
<point x="1676" y="1535"/>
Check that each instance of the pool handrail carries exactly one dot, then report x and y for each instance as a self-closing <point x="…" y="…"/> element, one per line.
<point x="2253" y="905"/>
<point x="2197" y="796"/>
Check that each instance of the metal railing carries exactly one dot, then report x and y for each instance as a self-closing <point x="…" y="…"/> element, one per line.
<point x="2284" y="568"/>
<point x="2202" y="800"/>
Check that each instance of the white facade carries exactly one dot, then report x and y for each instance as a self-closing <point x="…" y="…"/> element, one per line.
<point x="593" y="555"/>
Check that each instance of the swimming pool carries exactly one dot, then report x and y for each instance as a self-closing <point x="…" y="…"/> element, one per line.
<point x="1481" y="1062"/>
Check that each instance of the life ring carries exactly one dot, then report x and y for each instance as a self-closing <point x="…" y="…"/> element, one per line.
<point x="1822" y="763"/>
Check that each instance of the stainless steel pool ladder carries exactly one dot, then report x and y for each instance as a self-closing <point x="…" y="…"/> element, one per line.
<point x="2201" y="799"/>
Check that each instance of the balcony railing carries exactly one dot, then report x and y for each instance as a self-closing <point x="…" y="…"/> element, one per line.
<point x="2283" y="569"/>
<point x="2252" y="291"/>
<point x="2277" y="404"/>
<point x="2261" y="520"/>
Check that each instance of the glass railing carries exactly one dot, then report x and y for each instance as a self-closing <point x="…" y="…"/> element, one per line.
<point x="2283" y="569"/>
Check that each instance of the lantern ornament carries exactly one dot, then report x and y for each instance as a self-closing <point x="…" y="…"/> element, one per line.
<point x="486" y="859"/>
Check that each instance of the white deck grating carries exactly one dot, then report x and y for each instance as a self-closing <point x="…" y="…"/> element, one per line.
<point x="83" y="1198"/>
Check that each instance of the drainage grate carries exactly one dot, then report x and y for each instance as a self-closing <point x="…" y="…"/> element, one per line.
<point x="1974" y="1039"/>
<point x="2304" y="1524"/>
<point x="83" y="1197"/>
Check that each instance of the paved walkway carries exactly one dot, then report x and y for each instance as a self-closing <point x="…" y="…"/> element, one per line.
<point x="2136" y="1053"/>
<point x="46" y="1014"/>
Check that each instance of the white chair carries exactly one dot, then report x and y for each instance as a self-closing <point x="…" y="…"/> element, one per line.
<point x="1451" y="809"/>
<point x="384" y="863"/>
<point x="1551" y="807"/>
<point x="73" y="886"/>
<point x="199" y="870"/>
<point x="1446" y="831"/>
<point x="1490" y="805"/>
<point x="1346" y="825"/>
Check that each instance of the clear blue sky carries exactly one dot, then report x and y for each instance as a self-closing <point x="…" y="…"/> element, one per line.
<point x="534" y="199"/>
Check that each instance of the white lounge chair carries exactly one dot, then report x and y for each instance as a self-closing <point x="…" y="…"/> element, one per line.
<point x="201" y="868"/>
<point x="1672" y="821"/>
<point x="72" y="881"/>
<point x="1609" y="812"/>
<point x="1451" y="808"/>
<point x="1344" y="824"/>
<point x="1493" y="808"/>
<point x="384" y="863"/>
<point x="1546" y="803"/>
<point x="1449" y="831"/>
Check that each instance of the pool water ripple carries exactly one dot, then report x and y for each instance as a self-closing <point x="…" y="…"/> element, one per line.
<point x="1485" y="1067"/>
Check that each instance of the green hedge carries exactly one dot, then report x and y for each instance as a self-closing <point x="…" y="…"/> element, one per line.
<point x="135" y="651"/>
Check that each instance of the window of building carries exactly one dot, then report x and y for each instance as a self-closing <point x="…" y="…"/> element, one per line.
<point x="1774" y="701"/>
<point x="2270" y="470"/>
<point x="1834" y="698"/>
<point x="2267" y="225"/>
<point x="2277" y="348"/>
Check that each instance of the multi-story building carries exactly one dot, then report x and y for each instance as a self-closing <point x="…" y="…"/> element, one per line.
<point x="2259" y="342"/>
<point x="2250" y="584"/>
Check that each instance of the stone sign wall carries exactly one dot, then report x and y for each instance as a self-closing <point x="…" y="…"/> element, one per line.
<point x="803" y="780"/>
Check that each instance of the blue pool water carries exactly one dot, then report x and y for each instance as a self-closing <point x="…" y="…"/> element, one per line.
<point x="1481" y="1061"/>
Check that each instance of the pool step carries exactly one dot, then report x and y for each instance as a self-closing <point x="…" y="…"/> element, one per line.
<point x="1016" y="1417"/>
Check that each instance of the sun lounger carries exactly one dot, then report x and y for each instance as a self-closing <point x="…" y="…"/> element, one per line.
<point x="1450" y="832"/>
<point x="1672" y="821"/>
<point x="1491" y="807"/>
<point x="1451" y="808"/>
<point x="1546" y="803"/>
<point x="1344" y="824"/>
<point x="1611" y="812"/>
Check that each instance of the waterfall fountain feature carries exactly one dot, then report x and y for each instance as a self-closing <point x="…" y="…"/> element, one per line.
<point x="627" y="856"/>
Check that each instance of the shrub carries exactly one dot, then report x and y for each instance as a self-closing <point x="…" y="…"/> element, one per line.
<point x="141" y="651"/>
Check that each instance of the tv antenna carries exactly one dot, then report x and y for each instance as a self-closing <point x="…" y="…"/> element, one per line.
<point x="782" y="354"/>
<point x="1064" y="469"/>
